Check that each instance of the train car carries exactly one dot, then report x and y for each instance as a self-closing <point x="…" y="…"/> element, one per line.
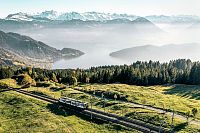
<point x="72" y="103"/>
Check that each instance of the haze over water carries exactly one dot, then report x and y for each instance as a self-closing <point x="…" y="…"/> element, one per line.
<point x="98" y="42"/>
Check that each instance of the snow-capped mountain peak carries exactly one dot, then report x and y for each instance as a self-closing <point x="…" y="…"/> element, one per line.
<point x="97" y="16"/>
<point x="19" y="17"/>
<point x="53" y="15"/>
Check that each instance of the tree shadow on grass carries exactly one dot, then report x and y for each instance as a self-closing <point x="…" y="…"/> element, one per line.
<point x="54" y="89"/>
<point x="57" y="109"/>
<point x="189" y="91"/>
<point x="180" y="126"/>
<point x="60" y="110"/>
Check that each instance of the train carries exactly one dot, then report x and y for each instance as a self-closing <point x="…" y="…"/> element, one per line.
<point x="73" y="103"/>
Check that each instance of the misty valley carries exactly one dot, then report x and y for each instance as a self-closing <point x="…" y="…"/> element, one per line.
<point x="103" y="42"/>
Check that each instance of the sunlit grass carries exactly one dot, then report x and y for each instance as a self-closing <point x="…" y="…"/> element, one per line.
<point x="9" y="82"/>
<point x="115" y="107"/>
<point x="20" y="113"/>
<point x="156" y="96"/>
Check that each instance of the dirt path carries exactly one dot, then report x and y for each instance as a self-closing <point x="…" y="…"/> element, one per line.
<point x="163" y="111"/>
<point x="181" y="117"/>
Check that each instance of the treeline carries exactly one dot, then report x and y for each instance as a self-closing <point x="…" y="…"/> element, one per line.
<point x="179" y="71"/>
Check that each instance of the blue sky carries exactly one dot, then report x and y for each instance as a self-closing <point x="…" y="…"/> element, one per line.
<point x="136" y="7"/>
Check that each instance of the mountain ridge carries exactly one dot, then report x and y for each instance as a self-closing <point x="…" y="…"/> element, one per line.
<point x="37" y="51"/>
<point x="161" y="53"/>
<point x="98" y="16"/>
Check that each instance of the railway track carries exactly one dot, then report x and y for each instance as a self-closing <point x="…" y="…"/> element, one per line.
<point x="96" y="114"/>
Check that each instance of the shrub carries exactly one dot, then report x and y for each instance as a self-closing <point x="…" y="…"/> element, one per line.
<point x="3" y="85"/>
<point x="25" y="80"/>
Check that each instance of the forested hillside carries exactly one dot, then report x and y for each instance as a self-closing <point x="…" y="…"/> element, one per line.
<point x="180" y="71"/>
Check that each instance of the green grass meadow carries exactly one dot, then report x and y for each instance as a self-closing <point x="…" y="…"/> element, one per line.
<point x="24" y="114"/>
<point x="21" y="113"/>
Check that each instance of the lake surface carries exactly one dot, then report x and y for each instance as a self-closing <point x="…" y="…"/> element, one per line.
<point x="96" y="44"/>
<point x="96" y="58"/>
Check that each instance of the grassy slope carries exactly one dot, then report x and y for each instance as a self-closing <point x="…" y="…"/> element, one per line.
<point x="116" y="107"/>
<point x="135" y="92"/>
<point x="9" y="82"/>
<point x="181" y="98"/>
<point x="19" y="113"/>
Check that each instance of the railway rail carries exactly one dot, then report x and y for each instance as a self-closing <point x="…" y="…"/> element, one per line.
<point x="96" y="114"/>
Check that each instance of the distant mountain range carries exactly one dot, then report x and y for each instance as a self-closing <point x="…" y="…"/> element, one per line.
<point x="47" y="16"/>
<point x="139" y="26"/>
<point x="136" y="26"/>
<point x="31" y="52"/>
<point x="161" y="53"/>
<point x="53" y="15"/>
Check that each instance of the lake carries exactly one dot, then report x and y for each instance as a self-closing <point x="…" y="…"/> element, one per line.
<point x="97" y="43"/>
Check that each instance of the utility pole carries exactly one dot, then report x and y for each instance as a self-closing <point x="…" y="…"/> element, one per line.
<point x="91" y="102"/>
<point x="104" y="105"/>
<point x="102" y="95"/>
<point x="161" y="123"/>
<point x="115" y="97"/>
<point x="172" y="124"/>
<point x="94" y="93"/>
<point x="61" y="93"/>
<point x="91" y="105"/>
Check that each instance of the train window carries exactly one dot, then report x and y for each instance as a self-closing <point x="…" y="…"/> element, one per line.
<point x="73" y="103"/>
<point x="68" y="102"/>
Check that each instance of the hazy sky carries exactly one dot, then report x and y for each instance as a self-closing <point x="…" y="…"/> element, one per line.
<point x="136" y="7"/>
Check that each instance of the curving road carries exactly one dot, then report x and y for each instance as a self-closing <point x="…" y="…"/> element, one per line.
<point x="195" y="122"/>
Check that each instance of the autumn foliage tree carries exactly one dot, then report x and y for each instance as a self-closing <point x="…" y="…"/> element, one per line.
<point x="25" y="80"/>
